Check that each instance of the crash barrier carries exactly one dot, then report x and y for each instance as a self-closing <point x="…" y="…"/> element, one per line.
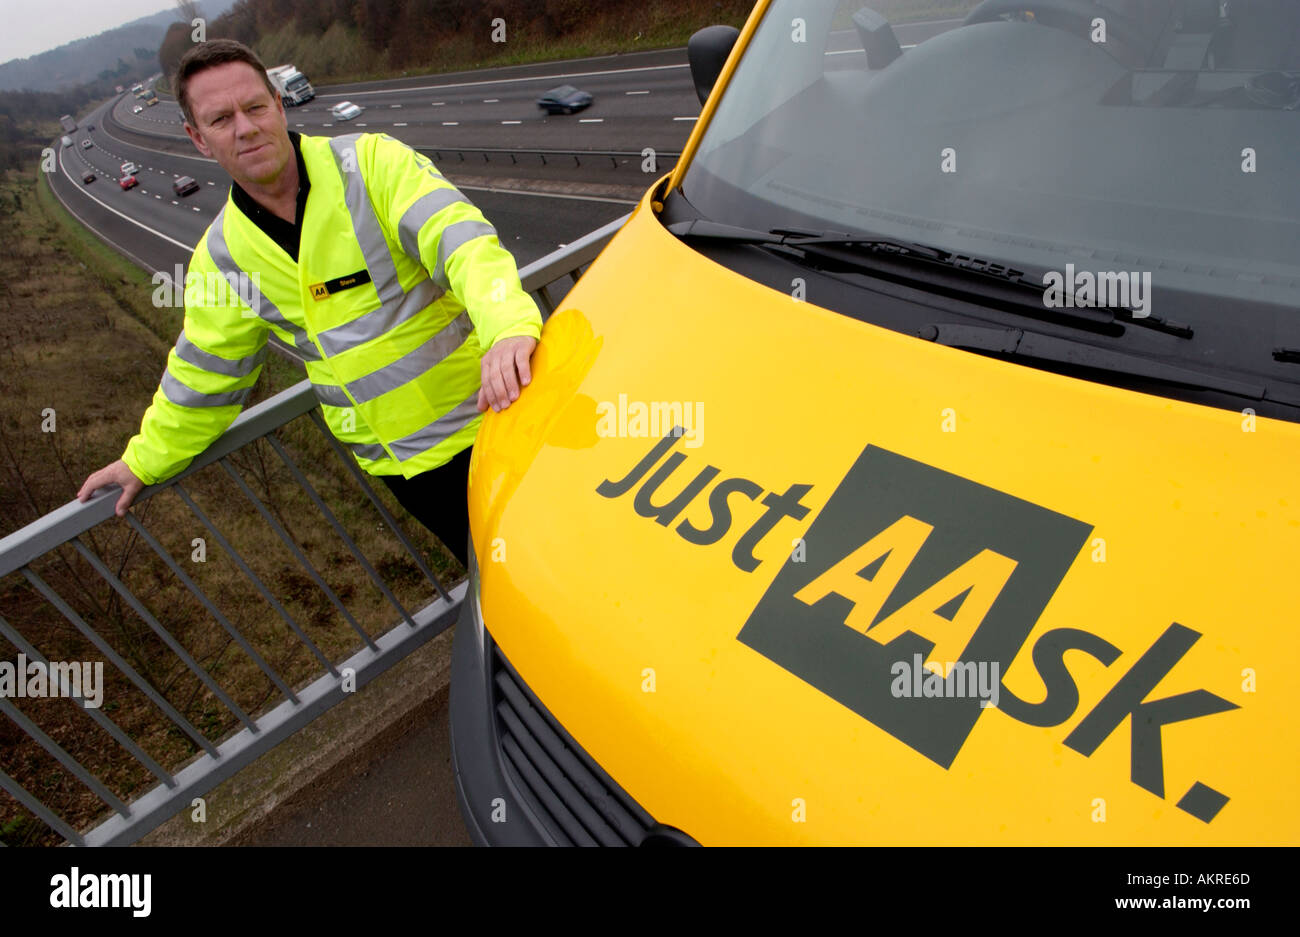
<point x="289" y="707"/>
<point x="663" y="160"/>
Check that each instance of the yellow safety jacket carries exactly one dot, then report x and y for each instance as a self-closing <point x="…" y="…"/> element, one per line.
<point x="399" y="288"/>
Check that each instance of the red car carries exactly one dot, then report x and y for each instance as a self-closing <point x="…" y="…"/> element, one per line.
<point x="128" y="181"/>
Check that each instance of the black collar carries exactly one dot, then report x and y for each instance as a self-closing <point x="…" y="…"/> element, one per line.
<point x="273" y="226"/>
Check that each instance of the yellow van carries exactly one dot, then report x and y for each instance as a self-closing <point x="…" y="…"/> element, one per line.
<point x="919" y="464"/>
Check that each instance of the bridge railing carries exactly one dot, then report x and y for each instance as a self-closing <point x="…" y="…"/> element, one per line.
<point x="186" y="747"/>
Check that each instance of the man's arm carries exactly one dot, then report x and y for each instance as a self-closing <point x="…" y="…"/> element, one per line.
<point x="437" y="225"/>
<point x="210" y="373"/>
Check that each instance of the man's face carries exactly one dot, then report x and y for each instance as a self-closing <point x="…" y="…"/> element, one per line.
<point x="239" y="123"/>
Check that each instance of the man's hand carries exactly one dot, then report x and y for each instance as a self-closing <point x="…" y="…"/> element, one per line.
<point x="119" y="473"/>
<point x="505" y="371"/>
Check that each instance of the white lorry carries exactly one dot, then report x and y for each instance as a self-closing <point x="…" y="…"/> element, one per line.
<point x="292" y="85"/>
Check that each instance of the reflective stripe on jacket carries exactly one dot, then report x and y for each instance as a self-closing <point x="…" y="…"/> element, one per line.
<point x="400" y="286"/>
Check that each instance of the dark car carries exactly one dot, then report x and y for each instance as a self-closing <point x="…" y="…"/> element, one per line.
<point x="86" y="144"/>
<point x="564" y="100"/>
<point x="87" y="177"/>
<point x="184" y="185"/>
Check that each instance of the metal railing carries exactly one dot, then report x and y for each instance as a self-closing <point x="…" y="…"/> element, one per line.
<point x="255" y="734"/>
<point x="664" y="160"/>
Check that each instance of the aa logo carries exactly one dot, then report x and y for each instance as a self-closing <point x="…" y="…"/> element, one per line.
<point x="907" y="560"/>
<point x="319" y="291"/>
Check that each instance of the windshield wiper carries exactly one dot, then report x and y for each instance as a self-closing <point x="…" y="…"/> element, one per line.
<point x="1026" y="344"/>
<point x="857" y="252"/>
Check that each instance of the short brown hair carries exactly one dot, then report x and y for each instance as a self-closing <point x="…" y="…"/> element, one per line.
<point x="206" y="55"/>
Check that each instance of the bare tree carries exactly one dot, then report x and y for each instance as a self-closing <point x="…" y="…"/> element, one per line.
<point x="188" y="10"/>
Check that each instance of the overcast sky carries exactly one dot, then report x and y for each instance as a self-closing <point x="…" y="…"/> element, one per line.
<point x="32" y="27"/>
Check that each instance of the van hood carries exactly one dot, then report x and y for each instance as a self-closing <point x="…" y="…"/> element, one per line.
<point x="874" y="590"/>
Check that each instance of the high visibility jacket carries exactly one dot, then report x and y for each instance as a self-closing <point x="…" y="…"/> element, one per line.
<point x="399" y="288"/>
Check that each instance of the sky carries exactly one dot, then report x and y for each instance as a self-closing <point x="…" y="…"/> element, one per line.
<point x="31" y="27"/>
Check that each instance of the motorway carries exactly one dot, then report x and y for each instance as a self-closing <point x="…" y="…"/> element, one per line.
<point x="640" y="100"/>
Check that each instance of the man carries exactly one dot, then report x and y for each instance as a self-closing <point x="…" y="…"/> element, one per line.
<point x="360" y="256"/>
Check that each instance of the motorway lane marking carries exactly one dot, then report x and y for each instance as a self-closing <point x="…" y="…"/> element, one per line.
<point x="512" y="121"/>
<point x="162" y="152"/>
<point x="139" y="224"/>
<point x="503" y="81"/>
<point x="566" y="75"/>
<point x="451" y="123"/>
<point x="394" y="105"/>
<point x="636" y="92"/>
<point x="591" y="120"/>
<point x="685" y="118"/>
<point x="491" y="100"/>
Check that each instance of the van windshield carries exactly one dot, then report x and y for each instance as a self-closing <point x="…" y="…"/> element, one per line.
<point x="1153" y="136"/>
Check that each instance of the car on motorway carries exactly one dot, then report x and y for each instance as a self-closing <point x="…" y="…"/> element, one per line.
<point x="87" y="177"/>
<point x="129" y="168"/>
<point x="565" y="99"/>
<point x="184" y="185"/>
<point x="346" y="110"/>
<point x="66" y="141"/>
<point x="86" y="144"/>
<point x="993" y="520"/>
<point x="137" y="109"/>
<point x="128" y="181"/>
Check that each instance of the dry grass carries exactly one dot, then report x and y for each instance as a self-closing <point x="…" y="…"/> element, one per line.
<point x="83" y="339"/>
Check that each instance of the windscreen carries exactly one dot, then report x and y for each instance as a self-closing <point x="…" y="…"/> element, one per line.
<point x="1156" y="138"/>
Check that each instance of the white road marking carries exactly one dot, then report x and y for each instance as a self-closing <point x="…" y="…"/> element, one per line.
<point x="400" y="124"/>
<point x="636" y="92"/>
<point x="512" y="121"/>
<point x="591" y="120"/>
<point x="451" y="123"/>
<point x="491" y="100"/>
<point x="685" y="118"/>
